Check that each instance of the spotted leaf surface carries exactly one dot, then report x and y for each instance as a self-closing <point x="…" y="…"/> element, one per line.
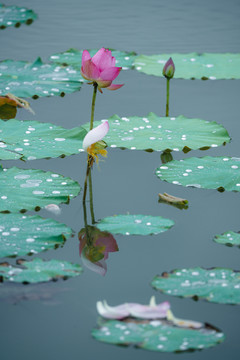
<point x="33" y="189"/>
<point x="21" y="235"/>
<point x="24" y="79"/>
<point x="15" y="16"/>
<point x="135" y="224"/>
<point x="30" y="140"/>
<point x="221" y="173"/>
<point x="37" y="270"/>
<point x="210" y="66"/>
<point x="229" y="238"/>
<point x="73" y="57"/>
<point x="156" y="335"/>
<point x="160" y="133"/>
<point x="217" y="285"/>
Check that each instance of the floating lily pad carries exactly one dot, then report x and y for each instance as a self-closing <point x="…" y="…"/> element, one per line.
<point x="37" y="270"/>
<point x="135" y="224"/>
<point x="30" y="140"/>
<point x="160" y="133"/>
<point x="73" y="57"/>
<point x="192" y="66"/>
<point x="156" y="335"/>
<point x="217" y="285"/>
<point x="229" y="238"/>
<point x="15" y="16"/>
<point x="21" y="235"/>
<point x="221" y="173"/>
<point x="33" y="189"/>
<point x="36" y="79"/>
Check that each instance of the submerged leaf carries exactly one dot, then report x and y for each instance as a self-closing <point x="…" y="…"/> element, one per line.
<point x="32" y="189"/>
<point x="217" y="285"/>
<point x="221" y="173"/>
<point x="36" y="79"/>
<point x="31" y="140"/>
<point x="21" y="235"/>
<point x="13" y="100"/>
<point x="15" y="16"/>
<point x="8" y="112"/>
<point x="37" y="270"/>
<point x="173" y="200"/>
<point x="192" y="66"/>
<point x="160" y="133"/>
<point x="135" y="224"/>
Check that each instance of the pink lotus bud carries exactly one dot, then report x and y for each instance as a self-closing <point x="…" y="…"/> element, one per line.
<point x="100" y="69"/>
<point x="169" y="69"/>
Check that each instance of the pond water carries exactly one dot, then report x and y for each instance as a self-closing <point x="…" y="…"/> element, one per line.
<point x="55" y="320"/>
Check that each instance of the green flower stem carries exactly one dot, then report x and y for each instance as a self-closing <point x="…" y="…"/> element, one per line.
<point x="86" y="179"/>
<point x="95" y="87"/>
<point x="167" y="101"/>
<point x="91" y="196"/>
<point x="86" y="224"/>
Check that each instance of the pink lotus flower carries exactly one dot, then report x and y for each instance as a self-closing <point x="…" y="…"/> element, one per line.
<point x="169" y="69"/>
<point x="92" y="143"/>
<point x="151" y="311"/>
<point x="100" y="69"/>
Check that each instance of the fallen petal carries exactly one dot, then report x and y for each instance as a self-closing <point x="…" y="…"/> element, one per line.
<point x="115" y="312"/>
<point x="55" y="209"/>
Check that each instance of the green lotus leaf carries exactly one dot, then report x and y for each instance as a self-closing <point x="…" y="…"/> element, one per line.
<point x="32" y="189"/>
<point x="37" y="270"/>
<point x="21" y="235"/>
<point x="160" y="133"/>
<point x="15" y="16"/>
<point x="24" y="79"/>
<point x="134" y="224"/>
<point x="73" y="57"/>
<point x="221" y="173"/>
<point x="192" y="66"/>
<point x="30" y="140"/>
<point x="229" y="238"/>
<point x="217" y="285"/>
<point x="156" y="335"/>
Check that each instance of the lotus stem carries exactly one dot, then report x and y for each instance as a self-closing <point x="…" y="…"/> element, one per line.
<point x="86" y="180"/>
<point x="91" y="196"/>
<point x="95" y="87"/>
<point x="167" y="100"/>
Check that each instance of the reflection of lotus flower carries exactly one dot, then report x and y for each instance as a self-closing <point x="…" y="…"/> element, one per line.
<point x="151" y="311"/>
<point x="92" y="142"/>
<point x="169" y="69"/>
<point x="100" y="69"/>
<point x="94" y="250"/>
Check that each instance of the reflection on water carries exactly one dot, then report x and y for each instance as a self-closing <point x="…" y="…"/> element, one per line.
<point x="95" y="245"/>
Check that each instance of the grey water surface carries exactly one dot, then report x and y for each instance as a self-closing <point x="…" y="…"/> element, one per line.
<point x="55" y="320"/>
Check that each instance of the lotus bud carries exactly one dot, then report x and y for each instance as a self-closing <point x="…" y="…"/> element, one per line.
<point x="169" y="69"/>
